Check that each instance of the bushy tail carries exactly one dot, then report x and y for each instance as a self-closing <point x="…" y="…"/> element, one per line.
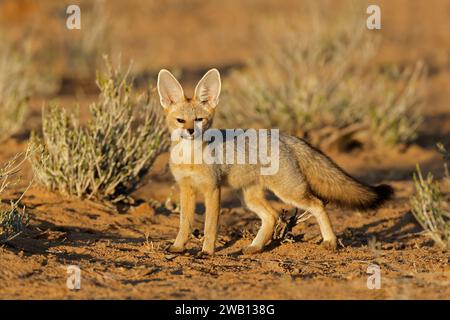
<point x="332" y="184"/>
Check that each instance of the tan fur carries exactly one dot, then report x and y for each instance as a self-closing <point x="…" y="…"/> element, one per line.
<point x="306" y="178"/>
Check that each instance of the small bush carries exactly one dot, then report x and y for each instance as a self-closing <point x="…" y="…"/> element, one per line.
<point x="397" y="116"/>
<point x="428" y="204"/>
<point x="108" y="158"/>
<point x="319" y="82"/>
<point x="14" y="88"/>
<point x="14" y="218"/>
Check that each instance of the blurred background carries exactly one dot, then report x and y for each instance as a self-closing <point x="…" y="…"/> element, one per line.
<point x="311" y="68"/>
<point x="193" y="34"/>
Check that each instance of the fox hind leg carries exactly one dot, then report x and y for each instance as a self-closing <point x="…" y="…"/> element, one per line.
<point x="255" y="201"/>
<point x="329" y="238"/>
<point x="301" y="198"/>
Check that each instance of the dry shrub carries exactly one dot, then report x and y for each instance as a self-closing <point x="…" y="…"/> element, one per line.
<point x="108" y="158"/>
<point x="428" y="204"/>
<point x="14" y="88"/>
<point x="13" y="218"/>
<point x="319" y="83"/>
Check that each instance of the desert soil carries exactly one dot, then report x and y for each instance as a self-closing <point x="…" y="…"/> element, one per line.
<point x="122" y="251"/>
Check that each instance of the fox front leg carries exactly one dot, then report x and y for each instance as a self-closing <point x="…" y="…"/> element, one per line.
<point x="187" y="204"/>
<point x="212" y="204"/>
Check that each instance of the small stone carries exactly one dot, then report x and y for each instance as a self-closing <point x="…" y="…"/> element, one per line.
<point x="170" y="256"/>
<point x="177" y="272"/>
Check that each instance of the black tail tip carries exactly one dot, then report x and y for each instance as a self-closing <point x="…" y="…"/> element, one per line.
<point x="384" y="193"/>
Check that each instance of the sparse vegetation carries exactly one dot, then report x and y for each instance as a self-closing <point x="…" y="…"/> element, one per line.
<point x="14" y="88"/>
<point x="428" y="206"/>
<point x="12" y="218"/>
<point x="320" y="84"/>
<point x="108" y="158"/>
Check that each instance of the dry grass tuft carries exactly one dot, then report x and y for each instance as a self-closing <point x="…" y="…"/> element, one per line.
<point x="107" y="159"/>
<point x="428" y="205"/>
<point x="13" y="218"/>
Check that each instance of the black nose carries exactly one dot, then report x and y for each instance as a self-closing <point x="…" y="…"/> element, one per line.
<point x="191" y="131"/>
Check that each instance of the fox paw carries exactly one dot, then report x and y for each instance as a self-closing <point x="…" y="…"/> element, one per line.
<point x="329" y="245"/>
<point x="251" y="249"/>
<point x="175" y="249"/>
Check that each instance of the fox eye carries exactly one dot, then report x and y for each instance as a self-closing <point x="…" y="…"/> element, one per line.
<point x="198" y="119"/>
<point x="181" y="120"/>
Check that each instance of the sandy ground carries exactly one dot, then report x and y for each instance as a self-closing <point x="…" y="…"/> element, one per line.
<point x="121" y="253"/>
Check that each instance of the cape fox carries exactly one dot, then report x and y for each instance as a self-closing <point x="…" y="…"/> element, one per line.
<point x="306" y="178"/>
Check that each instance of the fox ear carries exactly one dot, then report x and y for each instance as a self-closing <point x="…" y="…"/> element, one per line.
<point x="169" y="89"/>
<point x="208" y="88"/>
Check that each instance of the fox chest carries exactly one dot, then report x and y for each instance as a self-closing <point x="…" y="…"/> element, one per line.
<point x="199" y="176"/>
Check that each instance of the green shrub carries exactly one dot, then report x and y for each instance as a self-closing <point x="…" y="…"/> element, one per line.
<point x="319" y="82"/>
<point x="108" y="158"/>
<point x="397" y="116"/>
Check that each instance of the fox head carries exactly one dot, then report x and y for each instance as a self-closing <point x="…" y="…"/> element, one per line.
<point x="189" y="114"/>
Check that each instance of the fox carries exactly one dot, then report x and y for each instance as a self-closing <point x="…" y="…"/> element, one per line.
<point x="306" y="177"/>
